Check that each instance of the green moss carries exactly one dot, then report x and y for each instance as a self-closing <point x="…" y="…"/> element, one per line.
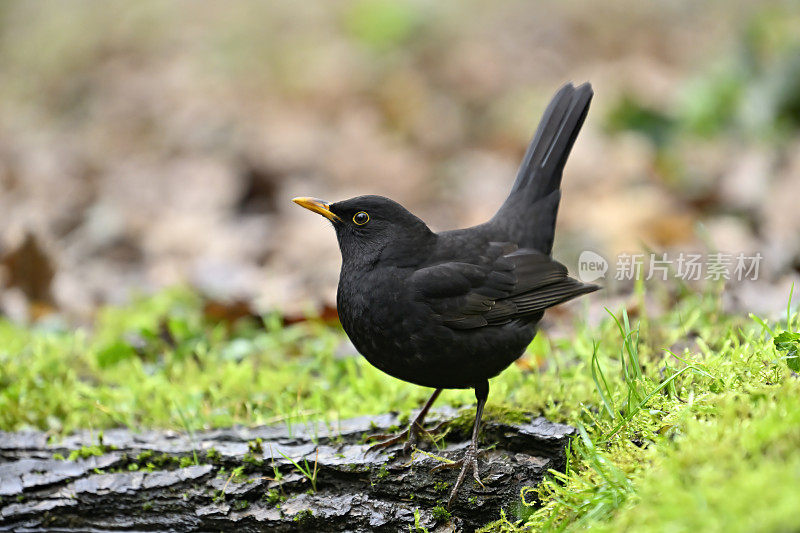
<point x="84" y="452"/>
<point x="256" y="446"/>
<point x="144" y="456"/>
<point x="418" y="527"/>
<point x="240" y="505"/>
<point x="255" y="452"/>
<point x="238" y="475"/>
<point x="165" y="461"/>
<point x="705" y="439"/>
<point x="213" y="456"/>
<point x="441" y="486"/>
<point x="730" y="469"/>
<point x="493" y="412"/>
<point x="150" y="461"/>
<point x="440" y="513"/>
<point x="382" y="473"/>
<point x="303" y="516"/>
<point x="274" y="497"/>
<point x="404" y="419"/>
<point x="208" y="376"/>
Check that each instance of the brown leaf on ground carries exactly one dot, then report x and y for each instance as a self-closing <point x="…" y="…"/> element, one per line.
<point x="528" y="364"/>
<point x="328" y="314"/>
<point x="218" y="311"/>
<point x="260" y="187"/>
<point x="30" y="269"/>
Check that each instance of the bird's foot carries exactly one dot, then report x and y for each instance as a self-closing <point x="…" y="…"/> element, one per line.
<point x="411" y="435"/>
<point x="468" y="462"/>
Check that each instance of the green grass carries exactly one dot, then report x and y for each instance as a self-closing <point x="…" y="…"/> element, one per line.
<point x="688" y="420"/>
<point x="704" y="440"/>
<point x="130" y="372"/>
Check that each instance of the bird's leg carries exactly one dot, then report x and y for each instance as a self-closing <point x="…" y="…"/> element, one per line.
<point x="470" y="459"/>
<point x="411" y="434"/>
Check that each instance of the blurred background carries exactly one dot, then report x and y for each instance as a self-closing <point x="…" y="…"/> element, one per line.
<point x="148" y="144"/>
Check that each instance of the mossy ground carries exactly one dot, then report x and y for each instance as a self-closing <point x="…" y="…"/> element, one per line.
<point x="687" y="421"/>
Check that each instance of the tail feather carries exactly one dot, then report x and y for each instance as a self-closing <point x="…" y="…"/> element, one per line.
<point x="529" y="213"/>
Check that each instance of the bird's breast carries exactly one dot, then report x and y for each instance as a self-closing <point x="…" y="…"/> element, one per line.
<point x="369" y="302"/>
<point x="403" y="337"/>
<point x="379" y="315"/>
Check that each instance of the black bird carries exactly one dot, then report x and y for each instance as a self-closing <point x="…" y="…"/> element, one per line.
<point x="450" y="310"/>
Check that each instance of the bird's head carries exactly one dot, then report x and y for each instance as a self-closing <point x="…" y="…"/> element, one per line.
<point x="372" y="228"/>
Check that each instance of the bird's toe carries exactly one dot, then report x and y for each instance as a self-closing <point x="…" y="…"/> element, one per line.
<point x="388" y="440"/>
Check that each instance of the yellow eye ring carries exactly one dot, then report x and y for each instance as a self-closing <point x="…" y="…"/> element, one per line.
<point x="361" y="218"/>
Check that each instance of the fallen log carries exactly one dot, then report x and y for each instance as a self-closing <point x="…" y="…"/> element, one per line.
<point x="316" y="477"/>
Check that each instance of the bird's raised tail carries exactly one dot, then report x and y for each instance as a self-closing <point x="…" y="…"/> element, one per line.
<point x="528" y="215"/>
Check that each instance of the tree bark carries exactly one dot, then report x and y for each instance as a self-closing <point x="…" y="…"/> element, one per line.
<point x="244" y="479"/>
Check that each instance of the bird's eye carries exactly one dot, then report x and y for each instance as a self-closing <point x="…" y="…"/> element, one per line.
<point x="361" y="218"/>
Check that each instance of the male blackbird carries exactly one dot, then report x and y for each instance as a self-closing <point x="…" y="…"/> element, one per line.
<point x="450" y="310"/>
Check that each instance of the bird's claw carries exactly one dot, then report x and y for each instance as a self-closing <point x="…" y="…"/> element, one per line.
<point x="412" y="433"/>
<point x="389" y="440"/>
<point x="412" y="436"/>
<point x="469" y="461"/>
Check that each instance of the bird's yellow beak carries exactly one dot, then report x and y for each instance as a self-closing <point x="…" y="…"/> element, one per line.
<point x="318" y="206"/>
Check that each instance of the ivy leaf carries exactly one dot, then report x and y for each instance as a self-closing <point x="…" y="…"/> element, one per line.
<point x="789" y="343"/>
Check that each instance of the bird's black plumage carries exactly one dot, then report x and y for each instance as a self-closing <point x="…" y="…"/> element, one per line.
<point x="453" y="309"/>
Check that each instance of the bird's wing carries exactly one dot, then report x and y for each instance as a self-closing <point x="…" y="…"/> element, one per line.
<point x="506" y="284"/>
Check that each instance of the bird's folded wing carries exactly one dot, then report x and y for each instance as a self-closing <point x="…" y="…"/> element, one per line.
<point x="505" y="286"/>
